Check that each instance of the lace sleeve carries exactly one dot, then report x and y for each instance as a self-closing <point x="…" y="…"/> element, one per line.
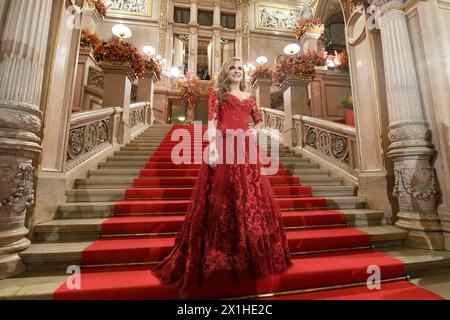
<point x="255" y="113"/>
<point x="213" y="107"/>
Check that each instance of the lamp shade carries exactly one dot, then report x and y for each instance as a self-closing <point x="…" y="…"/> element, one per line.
<point x="122" y="31"/>
<point x="149" y="50"/>
<point x="262" y="60"/>
<point x="292" y="48"/>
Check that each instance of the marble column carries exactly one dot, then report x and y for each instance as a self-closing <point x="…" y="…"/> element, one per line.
<point x="245" y="41"/>
<point x="217" y="50"/>
<point x="416" y="185"/>
<point x="193" y="38"/>
<point x="238" y="31"/>
<point x="163" y="23"/>
<point x="22" y="55"/>
<point x="193" y="48"/>
<point x="217" y="45"/>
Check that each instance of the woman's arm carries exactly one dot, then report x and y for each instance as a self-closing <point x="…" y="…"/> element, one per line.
<point x="257" y="118"/>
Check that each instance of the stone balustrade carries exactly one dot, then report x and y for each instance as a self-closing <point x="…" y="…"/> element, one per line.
<point x="90" y="133"/>
<point x="333" y="142"/>
<point x="273" y="119"/>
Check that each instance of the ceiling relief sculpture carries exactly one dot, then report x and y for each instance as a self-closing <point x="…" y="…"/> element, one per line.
<point x="130" y="7"/>
<point x="269" y="16"/>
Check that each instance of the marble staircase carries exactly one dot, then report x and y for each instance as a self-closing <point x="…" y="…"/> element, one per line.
<point x="59" y="243"/>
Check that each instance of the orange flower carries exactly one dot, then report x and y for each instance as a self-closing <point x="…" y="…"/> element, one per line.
<point x="121" y="52"/>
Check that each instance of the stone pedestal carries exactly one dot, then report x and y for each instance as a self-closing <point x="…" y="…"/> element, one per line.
<point x="309" y="41"/>
<point x="24" y="43"/>
<point x="86" y="61"/>
<point x="295" y="94"/>
<point x="262" y="92"/>
<point x="145" y="92"/>
<point x="416" y="185"/>
<point x="117" y="93"/>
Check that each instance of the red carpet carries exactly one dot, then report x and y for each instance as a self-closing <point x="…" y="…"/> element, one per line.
<point x="398" y="290"/>
<point x="327" y="253"/>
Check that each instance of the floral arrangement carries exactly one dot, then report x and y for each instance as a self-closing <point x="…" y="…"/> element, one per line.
<point x="347" y="103"/>
<point x="350" y="5"/>
<point x="190" y="89"/>
<point x="342" y="61"/>
<point x="208" y="88"/>
<point x="261" y="72"/>
<point x="117" y="51"/>
<point x="293" y="66"/>
<point x="315" y="58"/>
<point x="99" y="5"/>
<point x="312" y="25"/>
<point x="89" y="39"/>
<point x="151" y="65"/>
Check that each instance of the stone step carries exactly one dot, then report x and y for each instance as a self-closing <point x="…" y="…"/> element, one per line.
<point x="130" y="158"/>
<point x="76" y="210"/>
<point x="307" y="173"/>
<point x="41" y="284"/>
<point x="124" y="172"/>
<point x="299" y="165"/>
<point x="123" y="164"/>
<point x="69" y="253"/>
<point x="134" y="153"/>
<point x="99" y="195"/>
<point x="134" y="148"/>
<point x="64" y="230"/>
<point x="322" y="181"/>
<point x="104" y="180"/>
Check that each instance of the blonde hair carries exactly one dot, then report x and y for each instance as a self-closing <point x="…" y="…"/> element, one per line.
<point x="223" y="84"/>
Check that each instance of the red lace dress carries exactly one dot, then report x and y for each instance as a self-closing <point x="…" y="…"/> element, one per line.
<point x="233" y="224"/>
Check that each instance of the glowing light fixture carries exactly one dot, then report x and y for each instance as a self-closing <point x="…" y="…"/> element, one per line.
<point x="292" y="48"/>
<point x="149" y="50"/>
<point x="182" y="119"/>
<point x="122" y="31"/>
<point x="261" y="60"/>
<point x="174" y="72"/>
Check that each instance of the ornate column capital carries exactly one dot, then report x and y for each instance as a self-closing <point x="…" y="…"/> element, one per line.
<point x="387" y="5"/>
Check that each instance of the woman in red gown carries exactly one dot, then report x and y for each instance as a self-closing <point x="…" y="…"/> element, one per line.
<point x="233" y="226"/>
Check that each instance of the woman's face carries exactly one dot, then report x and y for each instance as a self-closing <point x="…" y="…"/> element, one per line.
<point x="236" y="72"/>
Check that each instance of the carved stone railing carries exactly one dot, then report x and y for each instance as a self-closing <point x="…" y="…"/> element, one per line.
<point x="90" y="133"/>
<point x="273" y="119"/>
<point x="277" y="100"/>
<point x="93" y="90"/>
<point x="138" y="115"/>
<point x="333" y="142"/>
<point x="134" y="89"/>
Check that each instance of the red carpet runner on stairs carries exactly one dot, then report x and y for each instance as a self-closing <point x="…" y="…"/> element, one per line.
<point x="325" y="252"/>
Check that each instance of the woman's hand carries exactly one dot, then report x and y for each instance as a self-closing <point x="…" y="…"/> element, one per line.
<point x="213" y="155"/>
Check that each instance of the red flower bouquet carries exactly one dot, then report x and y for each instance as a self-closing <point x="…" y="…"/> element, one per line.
<point x="261" y="72"/>
<point x="314" y="25"/>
